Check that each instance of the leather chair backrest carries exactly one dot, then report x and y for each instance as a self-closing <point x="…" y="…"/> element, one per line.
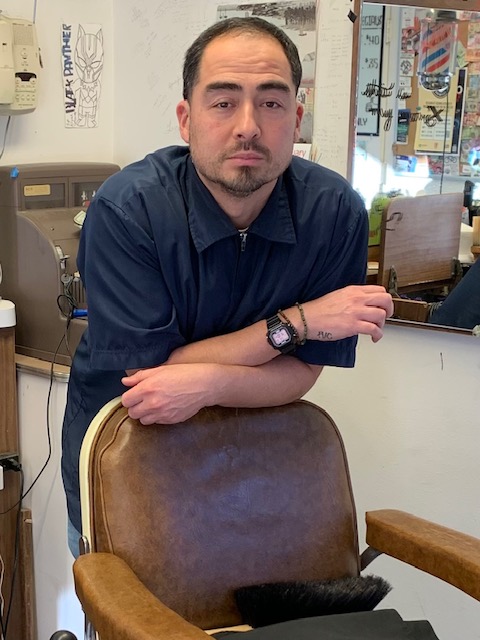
<point x="229" y="498"/>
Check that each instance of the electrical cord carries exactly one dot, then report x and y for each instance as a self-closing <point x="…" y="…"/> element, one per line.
<point x="49" y="430"/>
<point x="66" y="298"/>
<point x="68" y="314"/>
<point x="11" y="464"/>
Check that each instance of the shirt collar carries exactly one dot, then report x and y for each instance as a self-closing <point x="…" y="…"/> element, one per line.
<point x="209" y="223"/>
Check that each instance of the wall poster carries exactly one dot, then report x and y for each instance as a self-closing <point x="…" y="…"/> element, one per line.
<point x="82" y="66"/>
<point x="440" y="118"/>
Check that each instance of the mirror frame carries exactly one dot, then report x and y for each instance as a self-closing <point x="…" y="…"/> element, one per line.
<point x="457" y="5"/>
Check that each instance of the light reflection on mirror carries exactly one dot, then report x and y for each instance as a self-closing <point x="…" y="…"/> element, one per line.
<point x="410" y="140"/>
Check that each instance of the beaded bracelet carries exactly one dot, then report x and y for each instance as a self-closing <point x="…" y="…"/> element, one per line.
<point x="305" y="328"/>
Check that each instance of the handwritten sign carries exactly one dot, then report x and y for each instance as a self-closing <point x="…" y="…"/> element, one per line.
<point x="370" y="69"/>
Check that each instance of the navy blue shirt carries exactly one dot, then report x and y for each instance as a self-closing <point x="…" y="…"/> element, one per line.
<point x="164" y="266"/>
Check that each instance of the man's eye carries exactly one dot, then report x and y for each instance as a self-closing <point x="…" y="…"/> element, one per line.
<point x="222" y="105"/>
<point x="271" y="104"/>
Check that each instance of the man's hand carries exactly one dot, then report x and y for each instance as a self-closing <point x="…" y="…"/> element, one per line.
<point x="167" y="394"/>
<point x="353" y="310"/>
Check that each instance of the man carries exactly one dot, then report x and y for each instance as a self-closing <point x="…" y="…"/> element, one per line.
<point x="188" y="255"/>
<point x="461" y="308"/>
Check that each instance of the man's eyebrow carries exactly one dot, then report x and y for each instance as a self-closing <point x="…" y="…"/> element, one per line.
<point x="275" y="86"/>
<point x="272" y="85"/>
<point x="222" y="86"/>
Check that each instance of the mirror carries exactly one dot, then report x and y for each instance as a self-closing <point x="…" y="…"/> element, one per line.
<point x="415" y="139"/>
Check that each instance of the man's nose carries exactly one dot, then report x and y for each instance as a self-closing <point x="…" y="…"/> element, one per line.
<point x="247" y="126"/>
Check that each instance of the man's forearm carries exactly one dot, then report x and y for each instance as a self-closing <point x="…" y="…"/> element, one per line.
<point x="174" y="392"/>
<point x="274" y="383"/>
<point x="247" y="347"/>
<point x="340" y="314"/>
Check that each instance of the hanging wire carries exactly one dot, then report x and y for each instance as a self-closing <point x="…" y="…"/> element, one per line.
<point x="49" y="429"/>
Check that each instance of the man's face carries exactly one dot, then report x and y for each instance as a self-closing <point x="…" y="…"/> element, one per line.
<point x="242" y="118"/>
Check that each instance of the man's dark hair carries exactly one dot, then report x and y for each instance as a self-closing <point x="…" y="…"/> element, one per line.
<point x="252" y="25"/>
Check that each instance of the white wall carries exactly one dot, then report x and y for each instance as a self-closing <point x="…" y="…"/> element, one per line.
<point x="150" y="40"/>
<point x="41" y="136"/>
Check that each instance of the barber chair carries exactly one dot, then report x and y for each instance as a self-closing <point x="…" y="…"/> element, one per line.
<point x="177" y="517"/>
<point x="419" y="252"/>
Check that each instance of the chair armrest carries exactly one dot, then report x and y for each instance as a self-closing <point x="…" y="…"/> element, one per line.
<point x="447" y="554"/>
<point x="120" y="607"/>
<point x="413" y="310"/>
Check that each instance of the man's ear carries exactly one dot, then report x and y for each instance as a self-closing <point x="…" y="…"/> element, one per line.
<point x="298" y="121"/>
<point x="183" y="116"/>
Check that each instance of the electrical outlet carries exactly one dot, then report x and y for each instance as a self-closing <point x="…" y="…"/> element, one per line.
<point x="10" y="462"/>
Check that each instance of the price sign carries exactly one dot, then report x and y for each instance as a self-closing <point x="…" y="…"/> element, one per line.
<point x="370" y="69"/>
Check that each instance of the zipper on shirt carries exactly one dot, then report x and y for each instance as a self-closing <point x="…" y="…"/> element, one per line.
<point x="243" y="240"/>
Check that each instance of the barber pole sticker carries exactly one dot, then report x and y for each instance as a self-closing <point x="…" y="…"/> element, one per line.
<point x="436" y="44"/>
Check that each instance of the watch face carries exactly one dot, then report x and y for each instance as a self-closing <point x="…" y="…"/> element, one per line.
<point x="280" y="337"/>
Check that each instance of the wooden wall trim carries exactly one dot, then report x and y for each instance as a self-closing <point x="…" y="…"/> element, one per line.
<point x="27" y="580"/>
<point x="352" y="129"/>
<point x="8" y="392"/>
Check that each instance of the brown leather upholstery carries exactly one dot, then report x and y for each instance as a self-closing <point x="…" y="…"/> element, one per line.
<point x="452" y="556"/>
<point x="184" y="514"/>
<point x="228" y="498"/>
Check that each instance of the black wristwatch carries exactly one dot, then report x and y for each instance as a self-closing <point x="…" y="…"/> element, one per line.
<point x="281" y="335"/>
